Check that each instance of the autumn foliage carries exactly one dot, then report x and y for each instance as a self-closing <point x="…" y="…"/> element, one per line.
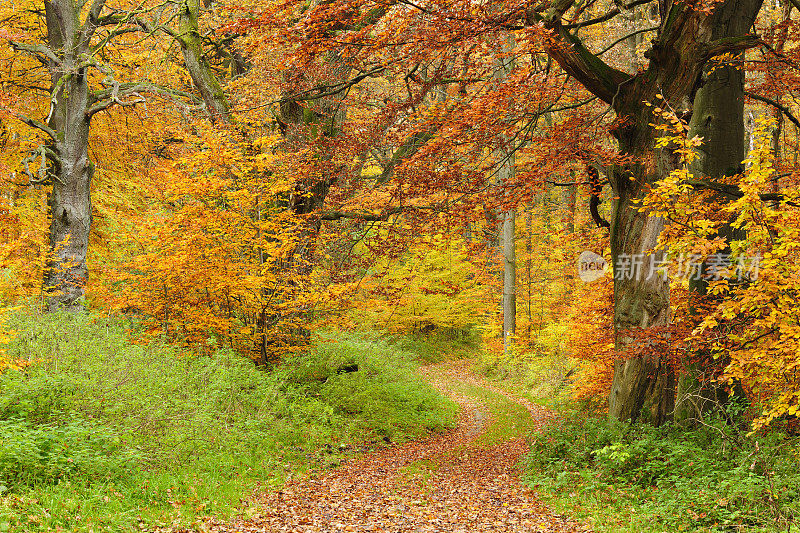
<point x="349" y="174"/>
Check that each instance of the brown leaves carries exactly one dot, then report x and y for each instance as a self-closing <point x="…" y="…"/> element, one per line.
<point x="441" y="484"/>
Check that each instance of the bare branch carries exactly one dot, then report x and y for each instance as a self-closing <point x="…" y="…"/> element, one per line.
<point x="39" y="51"/>
<point x="114" y="95"/>
<point x="611" y="14"/>
<point x="33" y="123"/>
<point x="373" y="217"/>
<point x="615" y="43"/>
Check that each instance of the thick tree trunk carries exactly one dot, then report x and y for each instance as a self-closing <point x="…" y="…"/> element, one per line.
<point x="71" y="171"/>
<point x="643" y="385"/>
<point x="717" y="117"/>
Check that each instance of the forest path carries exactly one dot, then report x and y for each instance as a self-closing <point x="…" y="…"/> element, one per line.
<point x="464" y="480"/>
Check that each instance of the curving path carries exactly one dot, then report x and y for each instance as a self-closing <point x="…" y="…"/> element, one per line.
<point x="447" y="483"/>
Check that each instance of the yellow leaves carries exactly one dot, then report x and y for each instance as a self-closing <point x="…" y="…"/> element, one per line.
<point x="212" y="259"/>
<point x="752" y="319"/>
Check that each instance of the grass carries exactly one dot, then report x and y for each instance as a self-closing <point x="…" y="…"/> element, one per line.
<point x="440" y="344"/>
<point x="105" y="434"/>
<point x="635" y="478"/>
<point x="507" y="419"/>
<point x="625" y="478"/>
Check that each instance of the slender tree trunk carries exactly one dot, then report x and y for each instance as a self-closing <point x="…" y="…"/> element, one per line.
<point x="504" y="176"/>
<point x="509" y="281"/>
<point x="528" y="265"/>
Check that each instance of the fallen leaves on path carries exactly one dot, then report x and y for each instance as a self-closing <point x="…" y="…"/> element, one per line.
<point x="440" y="484"/>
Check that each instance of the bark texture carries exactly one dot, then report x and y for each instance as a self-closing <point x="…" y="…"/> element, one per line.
<point x="509" y="281"/>
<point x="71" y="170"/>
<point x="717" y="117"/>
<point x="643" y="385"/>
<point x="204" y="79"/>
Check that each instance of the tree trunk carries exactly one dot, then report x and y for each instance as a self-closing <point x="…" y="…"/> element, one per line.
<point x="204" y="79"/>
<point x="505" y="175"/>
<point x="643" y="385"/>
<point x="717" y="117"/>
<point x="528" y="268"/>
<point x="71" y="171"/>
<point x="509" y="281"/>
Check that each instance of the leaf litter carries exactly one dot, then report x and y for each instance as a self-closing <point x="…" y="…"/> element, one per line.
<point x="444" y="483"/>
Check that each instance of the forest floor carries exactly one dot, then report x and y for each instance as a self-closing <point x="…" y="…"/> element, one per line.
<point x="463" y="480"/>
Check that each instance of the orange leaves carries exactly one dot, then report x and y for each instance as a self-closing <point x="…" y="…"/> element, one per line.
<point x="211" y="267"/>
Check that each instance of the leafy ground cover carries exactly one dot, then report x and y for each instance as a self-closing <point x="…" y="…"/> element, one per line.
<point x="100" y="433"/>
<point x="635" y="478"/>
<point x="465" y="480"/>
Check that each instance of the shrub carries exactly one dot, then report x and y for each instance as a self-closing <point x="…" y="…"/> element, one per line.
<point x="706" y="478"/>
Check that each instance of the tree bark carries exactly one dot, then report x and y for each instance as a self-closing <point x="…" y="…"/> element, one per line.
<point x="717" y="117"/>
<point x="643" y="384"/>
<point x="509" y="281"/>
<point x="71" y="170"/>
<point x="204" y="79"/>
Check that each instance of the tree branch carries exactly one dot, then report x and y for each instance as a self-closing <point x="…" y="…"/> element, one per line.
<point x="777" y="105"/>
<point x="735" y="192"/>
<point x="729" y="44"/>
<point x="39" y="51"/>
<point x="323" y="91"/>
<point x="372" y="217"/>
<point x="111" y="97"/>
<point x="598" y="77"/>
<point x="611" y="14"/>
<point x="408" y="149"/>
<point x="33" y="123"/>
<point x="615" y="43"/>
<point x="92" y="21"/>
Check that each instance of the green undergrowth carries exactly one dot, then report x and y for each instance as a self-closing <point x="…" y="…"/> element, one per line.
<point x="440" y="344"/>
<point x="103" y="434"/>
<point x="505" y="418"/>
<point x="540" y="378"/>
<point x="636" y="478"/>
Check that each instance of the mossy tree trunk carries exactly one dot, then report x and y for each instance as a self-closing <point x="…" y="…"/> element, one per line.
<point x="203" y="77"/>
<point x="717" y="117"/>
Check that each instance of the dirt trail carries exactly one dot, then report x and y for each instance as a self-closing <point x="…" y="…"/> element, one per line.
<point x="440" y="484"/>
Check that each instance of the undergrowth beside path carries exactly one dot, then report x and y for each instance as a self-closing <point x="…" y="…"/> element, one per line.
<point x="465" y="480"/>
<point x="635" y="478"/>
<point x="104" y="432"/>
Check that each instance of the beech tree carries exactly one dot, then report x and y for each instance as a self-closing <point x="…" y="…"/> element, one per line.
<point x="72" y="52"/>
<point x="688" y="37"/>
